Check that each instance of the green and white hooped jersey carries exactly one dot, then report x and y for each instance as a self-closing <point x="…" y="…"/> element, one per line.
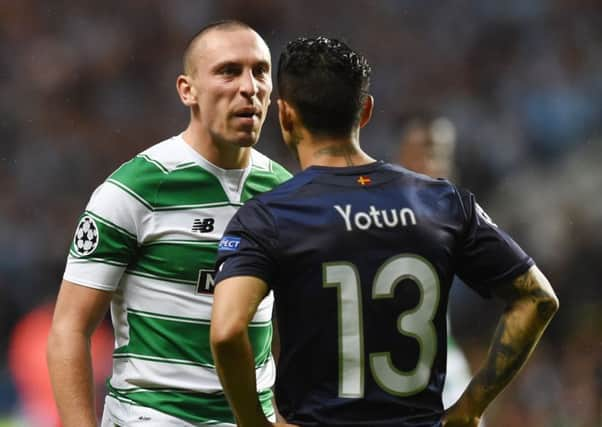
<point x="150" y="234"/>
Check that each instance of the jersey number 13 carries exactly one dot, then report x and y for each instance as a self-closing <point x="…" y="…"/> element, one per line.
<point x="416" y="323"/>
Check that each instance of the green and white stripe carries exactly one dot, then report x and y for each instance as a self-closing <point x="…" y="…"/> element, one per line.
<point x="149" y="256"/>
<point x="175" y="299"/>
<point x="215" y="412"/>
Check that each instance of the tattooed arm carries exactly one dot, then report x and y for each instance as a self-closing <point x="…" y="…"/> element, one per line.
<point x="531" y="304"/>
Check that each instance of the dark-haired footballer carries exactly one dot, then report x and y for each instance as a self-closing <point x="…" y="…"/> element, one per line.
<point x="360" y="255"/>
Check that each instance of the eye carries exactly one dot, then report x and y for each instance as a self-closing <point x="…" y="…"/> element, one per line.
<point x="229" y="70"/>
<point x="261" y="70"/>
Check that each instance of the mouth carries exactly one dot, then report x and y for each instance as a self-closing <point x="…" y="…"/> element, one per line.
<point x="248" y="113"/>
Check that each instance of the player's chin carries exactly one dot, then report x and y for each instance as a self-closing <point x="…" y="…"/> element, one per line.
<point x="246" y="139"/>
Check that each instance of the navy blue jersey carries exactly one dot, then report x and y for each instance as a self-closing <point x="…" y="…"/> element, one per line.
<point x="361" y="260"/>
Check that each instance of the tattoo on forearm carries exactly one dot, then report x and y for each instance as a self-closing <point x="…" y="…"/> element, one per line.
<point x="532" y="304"/>
<point x="347" y="152"/>
<point x="528" y="286"/>
<point x="508" y="355"/>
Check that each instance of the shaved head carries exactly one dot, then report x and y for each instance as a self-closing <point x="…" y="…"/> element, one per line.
<point x="226" y="25"/>
<point x="227" y="83"/>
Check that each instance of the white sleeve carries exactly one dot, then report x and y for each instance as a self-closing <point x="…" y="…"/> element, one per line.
<point x="106" y="238"/>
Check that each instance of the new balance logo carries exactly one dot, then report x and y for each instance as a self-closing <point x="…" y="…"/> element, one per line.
<point x="203" y="225"/>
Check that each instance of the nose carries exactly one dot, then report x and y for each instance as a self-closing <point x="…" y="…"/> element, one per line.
<point x="248" y="84"/>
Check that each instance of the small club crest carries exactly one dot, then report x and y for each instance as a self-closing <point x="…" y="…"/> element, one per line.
<point x="363" y="180"/>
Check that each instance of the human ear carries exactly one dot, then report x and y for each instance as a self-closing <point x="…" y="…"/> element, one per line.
<point x="186" y="90"/>
<point x="284" y="116"/>
<point x="367" y="108"/>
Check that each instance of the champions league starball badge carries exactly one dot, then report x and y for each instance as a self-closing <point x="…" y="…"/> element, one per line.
<point x="86" y="236"/>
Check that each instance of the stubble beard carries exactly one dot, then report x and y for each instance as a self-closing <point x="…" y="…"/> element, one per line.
<point x="236" y="142"/>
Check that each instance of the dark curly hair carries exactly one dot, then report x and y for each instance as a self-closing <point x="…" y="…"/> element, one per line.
<point x="326" y="82"/>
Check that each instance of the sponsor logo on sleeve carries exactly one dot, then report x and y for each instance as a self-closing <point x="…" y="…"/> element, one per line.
<point x="229" y="243"/>
<point x="86" y="236"/>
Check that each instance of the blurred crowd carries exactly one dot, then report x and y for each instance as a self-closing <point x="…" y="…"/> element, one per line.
<point x="86" y="85"/>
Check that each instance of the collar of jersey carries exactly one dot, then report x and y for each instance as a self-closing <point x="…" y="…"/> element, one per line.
<point x="226" y="177"/>
<point x="346" y="170"/>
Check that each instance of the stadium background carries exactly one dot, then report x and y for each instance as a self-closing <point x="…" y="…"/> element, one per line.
<point x="86" y="85"/>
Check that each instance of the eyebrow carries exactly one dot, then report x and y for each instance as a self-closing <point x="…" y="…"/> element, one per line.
<point x="239" y="63"/>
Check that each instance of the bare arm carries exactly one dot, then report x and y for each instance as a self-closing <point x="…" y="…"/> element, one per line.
<point x="78" y="312"/>
<point x="235" y="302"/>
<point x="530" y="305"/>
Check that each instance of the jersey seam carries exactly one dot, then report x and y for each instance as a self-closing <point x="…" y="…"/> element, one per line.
<point x="276" y="239"/>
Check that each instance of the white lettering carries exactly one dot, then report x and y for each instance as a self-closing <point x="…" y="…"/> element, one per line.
<point x="365" y="220"/>
<point x="390" y="222"/>
<point x="209" y="282"/>
<point x="205" y="282"/>
<point x="345" y="215"/>
<point x="410" y="213"/>
<point x="375" y="216"/>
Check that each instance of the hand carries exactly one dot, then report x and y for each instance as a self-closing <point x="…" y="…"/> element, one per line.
<point x="457" y="416"/>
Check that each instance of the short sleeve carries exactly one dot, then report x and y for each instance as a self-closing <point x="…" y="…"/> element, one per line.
<point x="487" y="255"/>
<point x="248" y="247"/>
<point x="105" y="239"/>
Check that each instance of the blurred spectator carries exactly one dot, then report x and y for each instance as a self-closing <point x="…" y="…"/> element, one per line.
<point x="27" y="362"/>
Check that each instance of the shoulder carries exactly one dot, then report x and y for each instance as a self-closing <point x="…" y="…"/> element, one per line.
<point x="263" y="165"/>
<point x="440" y="195"/>
<point x="129" y="193"/>
<point x="144" y="173"/>
<point x="168" y="155"/>
<point x="161" y="158"/>
<point x="285" y="190"/>
<point x="157" y="160"/>
<point x="436" y="188"/>
<point x="415" y="177"/>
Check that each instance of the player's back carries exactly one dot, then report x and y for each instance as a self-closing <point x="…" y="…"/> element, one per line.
<point x="360" y="247"/>
<point x="361" y="260"/>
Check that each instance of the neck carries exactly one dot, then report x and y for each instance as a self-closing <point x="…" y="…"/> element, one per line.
<point x="331" y="151"/>
<point x="221" y="153"/>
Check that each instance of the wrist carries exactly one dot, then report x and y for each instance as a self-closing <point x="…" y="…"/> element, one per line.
<point x="472" y="403"/>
